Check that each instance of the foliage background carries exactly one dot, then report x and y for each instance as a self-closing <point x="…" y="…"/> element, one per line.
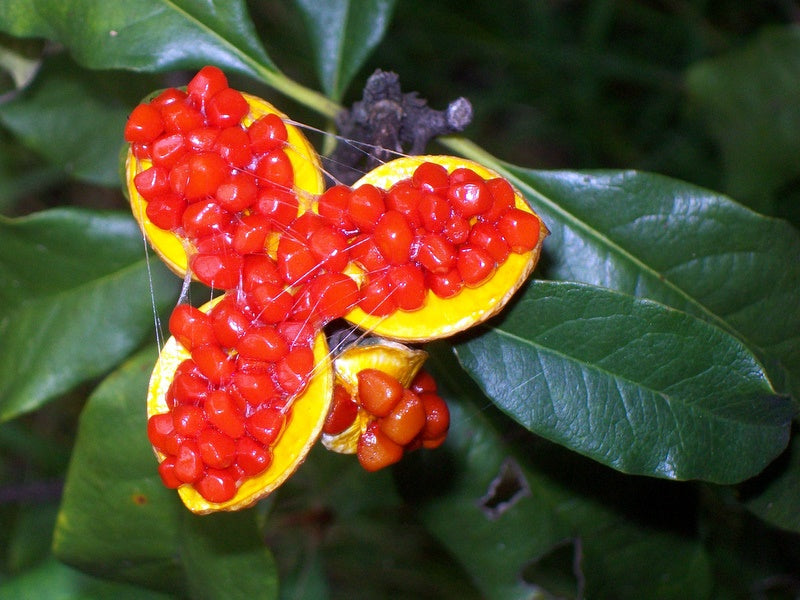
<point x="705" y="92"/>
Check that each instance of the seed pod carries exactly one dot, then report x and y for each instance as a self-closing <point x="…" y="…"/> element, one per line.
<point x="485" y="278"/>
<point x="308" y="412"/>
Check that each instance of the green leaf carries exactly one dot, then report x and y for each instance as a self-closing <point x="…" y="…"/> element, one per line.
<point x="632" y="384"/>
<point x="144" y="35"/>
<point x="772" y="496"/>
<point x="524" y="517"/>
<point x="78" y="297"/>
<point x="69" y="117"/>
<point x="343" y="34"/>
<point x="55" y="581"/>
<point x="117" y="519"/>
<point x="673" y="242"/>
<point x="750" y="99"/>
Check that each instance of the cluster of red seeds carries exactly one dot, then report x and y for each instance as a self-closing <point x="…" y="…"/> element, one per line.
<point x="227" y="189"/>
<point x="224" y="188"/>
<point x="229" y="403"/>
<point x="435" y="231"/>
<point x="401" y="419"/>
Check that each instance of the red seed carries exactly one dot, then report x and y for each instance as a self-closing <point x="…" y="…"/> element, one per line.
<point x="267" y="133"/>
<point x="456" y="230"/>
<point x="503" y="198"/>
<point x="167" y="150"/>
<point x="237" y="193"/>
<point x="406" y="419"/>
<point x="152" y="182"/>
<point x="520" y="229"/>
<point x="463" y="175"/>
<point x="214" y="363"/>
<point x="202" y="139"/>
<point x="333" y="206"/>
<point x="144" y="124"/>
<point x="375" y="450"/>
<point x="436" y="254"/>
<point x="437" y="416"/>
<point x="168" y="96"/>
<point x="206" y="172"/>
<point x="258" y="269"/>
<point x="334" y="294"/>
<point x="484" y="235"/>
<point x="294" y="370"/>
<point x="342" y="413"/>
<point x="470" y="198"/>
<point x="423" y="382"/>
<point x="434" y="211"/>
<point x="255" y="388"/>
<point x="226" y="108"/>
<point x="217" y="450"/>
<point x="405" y="198"/>
<point x="365" y="206"/>
<point x="266" y="425"/>
<point x="188" y="385"/>
<point x="377" y="297"/>
<point x="233" y="145"/>
<point x="408" y="285"/>
<point x="166" y="469"/>
<point x="208" y="81"/>
<point x="365" y="252"/>
<point x="180" y="117"/>
<point x="188" y="464"/>
<point x="252" y="457"/>
<point x="276" y="169"/>
<point x="222" y="412"/>
<point x="166" y="211"/>
<point x="187" y="420"/>
<point x="190" y="326"/>
<point x="217" y="485"/>
<point x="296" y="261"/>
<point x="271" y="302"/>
<point x="219" y="271"/>
<point x="159" y="428"/>
<point x="250" y="234"/>
<point x="431" y="177"/>
<point x="279" y="205"/>
<point x="204" y="218"/>
<point x="329" y="247"/>
<point x="262" y="343"/>
<point x="393" y="236"/>
<point x="378" y="392"/>
<point x="475" y="265"/>
<point x="445" y="285"/>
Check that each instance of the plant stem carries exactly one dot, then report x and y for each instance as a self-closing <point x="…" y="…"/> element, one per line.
<point x="305" y="96"/>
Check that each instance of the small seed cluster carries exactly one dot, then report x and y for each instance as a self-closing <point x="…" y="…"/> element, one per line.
<point x="223" y="182"/>
<point x="400" y="419"/>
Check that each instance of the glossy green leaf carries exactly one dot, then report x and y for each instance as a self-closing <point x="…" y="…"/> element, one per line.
<point x="144" y="35"/>
<point x="748" y="96"/>
<point x="118" y="520"/>
<point x="673" y="242"/>
<point x="343" y="34"/>
<point x="633" y="384"/>
<point x="525" y="517"/>
<point x="77" y="297"/>
<point x="56" y="581"/>
<point x="67" y="118"/>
